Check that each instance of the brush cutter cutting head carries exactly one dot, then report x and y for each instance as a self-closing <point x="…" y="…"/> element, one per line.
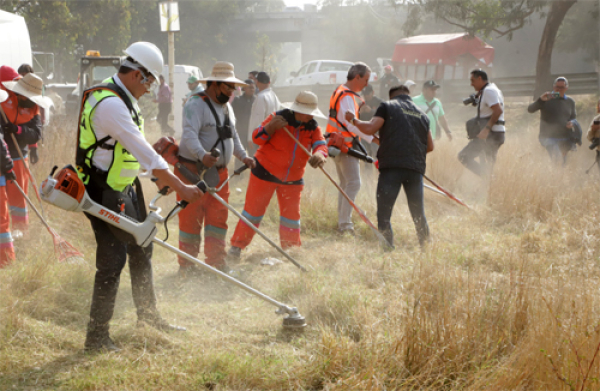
<point x="294" y="323"/>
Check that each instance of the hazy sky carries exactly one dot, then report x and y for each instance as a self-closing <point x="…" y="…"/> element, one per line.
<point x="299" y="3"/>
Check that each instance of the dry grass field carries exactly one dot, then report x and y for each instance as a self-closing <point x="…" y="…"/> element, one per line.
<point x="505" y="297"/>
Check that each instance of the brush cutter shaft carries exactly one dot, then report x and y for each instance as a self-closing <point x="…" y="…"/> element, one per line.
<point x="282" y="307"/>
<point x="245" y="220"/>
<point x="362" y="214"/>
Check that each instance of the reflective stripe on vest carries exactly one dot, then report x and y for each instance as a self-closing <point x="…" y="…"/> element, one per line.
<point x="333" y="125"/>
<point x="124" y="167"/>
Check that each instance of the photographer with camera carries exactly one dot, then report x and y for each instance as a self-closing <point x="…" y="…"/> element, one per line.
<point x="486" y="131"/>
<point x="558" y="127"/>
<point x="593" y="134"/>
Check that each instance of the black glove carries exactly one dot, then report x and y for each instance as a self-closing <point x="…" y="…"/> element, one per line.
<point x="10" y="176"/>
<point x="33" y="156"/>
<point x="9" y="128"/>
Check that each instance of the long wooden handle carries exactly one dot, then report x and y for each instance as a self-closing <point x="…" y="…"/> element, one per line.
<point x="31" y="177"/>
<point x="360" y="212"/>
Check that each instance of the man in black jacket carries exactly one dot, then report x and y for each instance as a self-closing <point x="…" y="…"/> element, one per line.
<point x="405" y="140"/>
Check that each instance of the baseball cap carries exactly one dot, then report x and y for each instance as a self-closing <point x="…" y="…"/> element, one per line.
<point x="431" y="84"/>
<point x="192" y="79"/>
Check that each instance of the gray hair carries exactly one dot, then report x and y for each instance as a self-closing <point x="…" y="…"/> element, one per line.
<point x="561" y="78"/>
<point x="358" y="69"/>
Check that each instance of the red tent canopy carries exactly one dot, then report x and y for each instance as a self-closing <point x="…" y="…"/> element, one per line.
<point x="442" y="49"/>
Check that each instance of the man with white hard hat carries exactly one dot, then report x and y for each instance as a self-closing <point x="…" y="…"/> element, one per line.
<point x="111" y="151"/>
<point x="208" y="126"/>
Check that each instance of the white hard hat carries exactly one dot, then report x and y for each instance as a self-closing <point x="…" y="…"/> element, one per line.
<point x="148" y="55"/>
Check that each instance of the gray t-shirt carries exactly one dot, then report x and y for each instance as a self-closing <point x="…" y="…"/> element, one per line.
<point x="200" y="132"/>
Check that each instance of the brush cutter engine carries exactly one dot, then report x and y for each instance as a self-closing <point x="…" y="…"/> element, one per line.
<point x="67" y="191"/>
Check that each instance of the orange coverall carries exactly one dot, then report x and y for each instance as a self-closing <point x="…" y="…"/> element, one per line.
<point x="280" y="168"/>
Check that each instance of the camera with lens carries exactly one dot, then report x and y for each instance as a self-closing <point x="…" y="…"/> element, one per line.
<point x="595" y="142"/>
<point x="473" y="99"/>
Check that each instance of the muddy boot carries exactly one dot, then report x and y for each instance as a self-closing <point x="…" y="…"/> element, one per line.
<point x="98" y="340"/>
<point x="156" y="321"/>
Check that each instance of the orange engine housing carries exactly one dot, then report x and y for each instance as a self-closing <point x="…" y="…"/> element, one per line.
<point x="168" y="149"/>
<point x="68" y="182"/>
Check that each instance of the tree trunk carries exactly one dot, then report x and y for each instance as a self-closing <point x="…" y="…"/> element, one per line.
<point x="543" y="77"/>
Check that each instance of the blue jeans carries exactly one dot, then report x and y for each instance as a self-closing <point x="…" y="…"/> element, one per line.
<point x="388" y="188"/>
<point x="557" y="148"/>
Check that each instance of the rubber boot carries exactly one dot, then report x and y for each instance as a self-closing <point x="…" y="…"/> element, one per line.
<point x="156" y="321"/>
<point x="98" y="340"/>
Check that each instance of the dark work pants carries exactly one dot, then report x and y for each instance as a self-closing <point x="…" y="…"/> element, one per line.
<point x="164" y="109"/>
<point x="388" y="188"/>
<point x="486" y="150"/>
<point x="111" y="255"/>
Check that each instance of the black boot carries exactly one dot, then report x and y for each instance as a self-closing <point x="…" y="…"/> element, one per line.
<point x="156" y="321"/>
<point x="98" y="340"/>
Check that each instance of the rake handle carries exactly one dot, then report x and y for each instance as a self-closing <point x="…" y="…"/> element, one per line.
<point x="33" y="181"/>
<point x="362" y="214"/>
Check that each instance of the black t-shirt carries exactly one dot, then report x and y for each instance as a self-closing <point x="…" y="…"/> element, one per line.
<point x="403" y="136"/>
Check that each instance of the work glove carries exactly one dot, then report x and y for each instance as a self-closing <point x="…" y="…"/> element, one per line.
<point x="10" y="176"/>
<point x="33" y="155"/>
<point x="317" y="160"/>
<point x="9" y="128"/>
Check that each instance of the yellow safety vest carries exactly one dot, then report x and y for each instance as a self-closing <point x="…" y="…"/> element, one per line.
<point x="124" y="167"/>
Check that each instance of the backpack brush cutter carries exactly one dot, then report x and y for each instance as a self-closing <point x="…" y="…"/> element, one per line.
<point x="67" y="191"/>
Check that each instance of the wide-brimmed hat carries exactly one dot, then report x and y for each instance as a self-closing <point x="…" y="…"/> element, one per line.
<point x="3" y="95"/>
<point x="30" y="86"/>
<point x="306" y="103"/>
<point x="223" y="71"/>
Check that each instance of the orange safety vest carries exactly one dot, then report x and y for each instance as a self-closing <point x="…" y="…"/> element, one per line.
<point x="15" y="114"/>
<point x="333" y="125"/>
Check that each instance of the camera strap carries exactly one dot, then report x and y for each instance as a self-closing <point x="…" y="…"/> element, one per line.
<point x="479" y="102"/>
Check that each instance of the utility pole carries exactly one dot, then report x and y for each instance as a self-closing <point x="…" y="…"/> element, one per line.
<point x="169" y="22"/>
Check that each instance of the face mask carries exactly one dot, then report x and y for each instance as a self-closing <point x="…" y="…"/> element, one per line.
<point x="28" y="104"/>
<point x="222" y="98"/>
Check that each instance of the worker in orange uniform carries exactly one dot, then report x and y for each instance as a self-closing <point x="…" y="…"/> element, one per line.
<point x="209" y="125"/>
<point x="346" y="99"/>
<point x="24" y="122"/>
<point x="280" y="166"/>
<point x="7" y="250"/>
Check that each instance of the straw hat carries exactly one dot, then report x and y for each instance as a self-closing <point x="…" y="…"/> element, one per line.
<point x="223" y="71"/>
<point x="30" y="86"/>
<point x="306" y="103"/>
<point x="3" y="95"/>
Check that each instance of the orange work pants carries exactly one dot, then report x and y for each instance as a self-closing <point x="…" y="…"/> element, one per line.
<point x="212" y="214"/>
<point x="258" y="196"/>
<point x="7" y="250"/>
<point x="16" y="202"/>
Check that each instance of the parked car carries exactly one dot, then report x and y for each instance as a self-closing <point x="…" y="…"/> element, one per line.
<point x="322" y="72"/>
